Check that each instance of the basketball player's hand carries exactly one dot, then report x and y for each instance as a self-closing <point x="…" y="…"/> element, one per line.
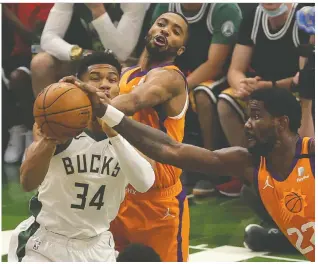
<point x="98" y="99"/>
<point x="39" y="135"/>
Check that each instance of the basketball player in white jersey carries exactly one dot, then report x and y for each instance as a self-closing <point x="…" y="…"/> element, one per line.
<point x="81" y="184"/>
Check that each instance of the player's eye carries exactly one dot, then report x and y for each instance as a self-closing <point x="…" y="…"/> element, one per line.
<point x="112" y="80"/>
<point x="176" y="32"/>
<point x="160" y="24"/>
<point x="94" y="77"/>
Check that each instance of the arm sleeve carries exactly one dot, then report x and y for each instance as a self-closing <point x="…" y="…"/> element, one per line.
<point x="123" y="38"/>
<point x="54" y="31"/>
<point x="226" y="20"/>
<point x="137" y="170"/>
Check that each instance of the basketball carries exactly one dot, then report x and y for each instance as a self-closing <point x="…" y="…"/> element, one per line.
<point x="62" y="110"/>
<point x="293" y="202"/>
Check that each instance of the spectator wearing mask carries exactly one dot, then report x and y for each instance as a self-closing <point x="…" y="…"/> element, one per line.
<point x="266" y="55"/>
<point x="305" y="79"/>
<point x="73" y="30"/>
<point x="213" y="30"/>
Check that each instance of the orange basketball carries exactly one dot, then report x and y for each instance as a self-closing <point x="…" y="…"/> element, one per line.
<point x="293" y="202"/>
<point x="62" y="110"/>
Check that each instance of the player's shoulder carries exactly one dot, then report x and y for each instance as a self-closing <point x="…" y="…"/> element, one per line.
<point x="169" y="75"/>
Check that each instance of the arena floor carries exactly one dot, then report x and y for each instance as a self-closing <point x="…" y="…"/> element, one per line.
<point x="216" y="231"/>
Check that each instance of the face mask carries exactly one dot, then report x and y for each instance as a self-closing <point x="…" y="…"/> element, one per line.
<point x="277" y="12"/>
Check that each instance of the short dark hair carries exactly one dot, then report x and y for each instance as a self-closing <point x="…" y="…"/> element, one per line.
<point x="98" y="57"/>
<point x="138" y="253"/>
<point x="280" y="102"/>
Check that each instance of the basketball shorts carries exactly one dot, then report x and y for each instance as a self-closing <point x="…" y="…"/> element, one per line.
<point x="239" y="105"/>
<point x="31" y="242"/>
<point x="211" y="88"/>
<point x="192" y="126"/>
<point x="159" y="219"/>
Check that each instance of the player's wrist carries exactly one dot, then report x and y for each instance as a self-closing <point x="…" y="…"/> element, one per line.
<point x="112" y="116"/>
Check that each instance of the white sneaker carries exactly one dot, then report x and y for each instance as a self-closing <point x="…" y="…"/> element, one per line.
<point x="28" y="141"/>
<point x="16" y="143"/>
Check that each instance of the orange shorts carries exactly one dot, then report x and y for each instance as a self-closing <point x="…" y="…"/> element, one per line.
<point x="159" y="219"/>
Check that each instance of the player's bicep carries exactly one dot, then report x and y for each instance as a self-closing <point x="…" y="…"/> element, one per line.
<point x="158" y="87"/>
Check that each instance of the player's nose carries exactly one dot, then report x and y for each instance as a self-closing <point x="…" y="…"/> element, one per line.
<point x="164" y="32"/>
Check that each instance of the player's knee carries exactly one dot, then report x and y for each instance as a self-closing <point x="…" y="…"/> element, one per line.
<point x="202" y="100"/>
<point x="42" y="63"/>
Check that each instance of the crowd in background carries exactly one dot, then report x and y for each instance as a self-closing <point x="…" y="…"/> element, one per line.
<point x="232" y="49"/>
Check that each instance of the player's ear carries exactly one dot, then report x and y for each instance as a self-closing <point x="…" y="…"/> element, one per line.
<point x="181" y="50"/>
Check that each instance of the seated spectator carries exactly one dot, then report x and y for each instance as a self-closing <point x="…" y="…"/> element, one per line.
<point x="305" y="79"/>
<point x="26" y="21"/>
<point x="74" y="29"/>
<point x="213" y="29"/>
<point x="138" y="253"/>
<point x="266" y="55"/>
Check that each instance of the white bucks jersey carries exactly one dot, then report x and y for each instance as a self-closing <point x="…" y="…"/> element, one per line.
<point x="82" y="190"/>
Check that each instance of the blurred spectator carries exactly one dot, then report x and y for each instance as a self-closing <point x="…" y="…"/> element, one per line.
<point x="305" y="79"/>
<point x="266" y="55"/>
<point x="138" y="253"/>
<point x="90" y="27"/>
<point x="26" y="21"/>
<point x="213" y="30"/>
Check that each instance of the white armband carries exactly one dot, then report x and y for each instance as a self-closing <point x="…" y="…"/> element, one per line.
<point x="112" y="116"/>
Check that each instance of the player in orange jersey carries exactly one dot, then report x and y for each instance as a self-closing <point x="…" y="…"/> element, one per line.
<point x="155" y="94"/>
<point x="278" y="163"/>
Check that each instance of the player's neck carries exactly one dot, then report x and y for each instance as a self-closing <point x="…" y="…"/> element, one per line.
<point x="148" y="62"/>
<point x="282" y="156"/>
<point x="279" y="21"/>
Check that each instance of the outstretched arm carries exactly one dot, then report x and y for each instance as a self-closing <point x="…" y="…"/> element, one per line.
<point x="160" y="147"/>
<point x="159" y="86"/>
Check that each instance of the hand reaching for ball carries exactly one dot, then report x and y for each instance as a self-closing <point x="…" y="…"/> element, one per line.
<point x="98" y="99"/>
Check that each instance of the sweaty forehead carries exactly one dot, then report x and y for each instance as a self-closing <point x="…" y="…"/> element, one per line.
<point x="175" y="19"/>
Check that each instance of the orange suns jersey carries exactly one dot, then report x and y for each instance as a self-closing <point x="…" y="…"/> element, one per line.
<point x="156" y="117"/>
<point x="291" y="202"/>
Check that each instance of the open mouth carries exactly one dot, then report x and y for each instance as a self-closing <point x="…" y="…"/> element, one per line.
<point x="249" y="136"/>
<point x="160" y="40"/>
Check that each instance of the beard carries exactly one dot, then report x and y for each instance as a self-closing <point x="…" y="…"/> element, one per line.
<point x="262" y="149"/>
<point x="160" y="53"/>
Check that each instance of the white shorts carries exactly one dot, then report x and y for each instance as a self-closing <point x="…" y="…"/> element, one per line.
<point x="31" y="242"/>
